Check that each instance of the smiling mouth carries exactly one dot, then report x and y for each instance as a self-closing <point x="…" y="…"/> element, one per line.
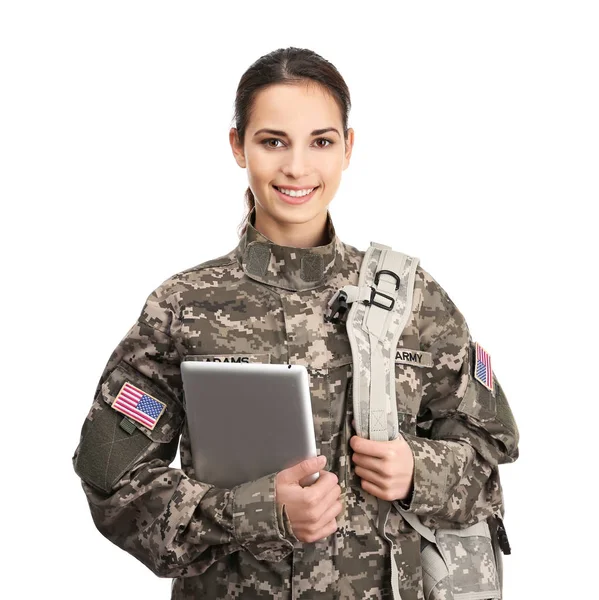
<point x="280" y="188"/>
<point x="297" y="200"/>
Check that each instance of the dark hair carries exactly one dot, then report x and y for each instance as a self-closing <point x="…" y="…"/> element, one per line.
<point x="289" y="66"/>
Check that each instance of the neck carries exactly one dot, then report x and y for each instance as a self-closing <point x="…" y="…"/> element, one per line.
<point x="297" y="235"/>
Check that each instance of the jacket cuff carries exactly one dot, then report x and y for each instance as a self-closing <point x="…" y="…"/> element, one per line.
<point x="406" y="502"/>
<point x="438" y="465"/>
<point x="285" y="524"/>
<point x="258" y="522"/>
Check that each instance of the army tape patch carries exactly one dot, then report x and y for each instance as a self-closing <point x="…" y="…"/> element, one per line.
<point x="139" y="405"/>
<point x="417" y="358"/>
<point x="482" y="366"/>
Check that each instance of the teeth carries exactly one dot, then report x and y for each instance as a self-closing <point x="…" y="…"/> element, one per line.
<point x="294" y="193"/>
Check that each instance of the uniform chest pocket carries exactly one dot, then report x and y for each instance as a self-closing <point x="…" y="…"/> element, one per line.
<point x="410" y="368"/>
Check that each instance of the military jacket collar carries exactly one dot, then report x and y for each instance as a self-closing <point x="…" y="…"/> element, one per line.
<point x="288" y="267"/>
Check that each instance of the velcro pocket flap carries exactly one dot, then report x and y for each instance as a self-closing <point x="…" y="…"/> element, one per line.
<point x="168" y="421"/>
<point x="107" y="450"/>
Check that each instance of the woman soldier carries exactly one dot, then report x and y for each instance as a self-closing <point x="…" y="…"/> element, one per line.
<point x="267" y="301"/>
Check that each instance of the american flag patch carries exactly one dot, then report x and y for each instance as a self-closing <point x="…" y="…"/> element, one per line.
<point x="482" y="367"/>
<point x="138" y="405"/>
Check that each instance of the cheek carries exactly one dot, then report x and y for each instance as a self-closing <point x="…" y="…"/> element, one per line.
<point x="331" y="181"/>
<point x="259" y="177"/>
<point x="331" y="168"/>
<point x="261" y="166"/>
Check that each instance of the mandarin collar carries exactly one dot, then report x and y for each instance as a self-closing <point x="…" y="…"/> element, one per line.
<point x="288" y="267"/>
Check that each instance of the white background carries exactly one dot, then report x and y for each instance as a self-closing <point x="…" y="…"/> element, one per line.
<point x="476" y="149"/>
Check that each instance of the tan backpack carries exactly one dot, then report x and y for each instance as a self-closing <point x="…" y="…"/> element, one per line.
<point x="380" y="308"/>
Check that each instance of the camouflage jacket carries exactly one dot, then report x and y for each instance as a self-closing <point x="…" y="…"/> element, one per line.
<point x="267" y="303"/>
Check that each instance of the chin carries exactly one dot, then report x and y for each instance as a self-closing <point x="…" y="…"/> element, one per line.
<point x="300" y="214"/>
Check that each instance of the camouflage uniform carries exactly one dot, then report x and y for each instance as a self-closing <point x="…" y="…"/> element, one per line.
<point x="267" y="303"/>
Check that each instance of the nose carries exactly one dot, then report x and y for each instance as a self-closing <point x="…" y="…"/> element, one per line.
<point x="297" y="166"/>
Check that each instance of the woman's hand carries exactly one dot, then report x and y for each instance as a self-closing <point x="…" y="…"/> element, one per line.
<point x="386" y="468"/>
<point x="312" y="510"/>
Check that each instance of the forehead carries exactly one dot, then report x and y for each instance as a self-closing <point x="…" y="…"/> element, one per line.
<point x="294" y="108"/>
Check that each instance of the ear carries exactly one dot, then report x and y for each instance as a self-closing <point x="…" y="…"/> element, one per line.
<point x="236" y="147"/>
<point x="349" y="145"/>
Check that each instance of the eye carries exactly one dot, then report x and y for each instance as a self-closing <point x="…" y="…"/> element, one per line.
<point x="265" y="142"/>
<point x="330" y="142"/>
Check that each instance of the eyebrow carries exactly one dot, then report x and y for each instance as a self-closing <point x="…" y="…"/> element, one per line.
<point x="283" y="134"/>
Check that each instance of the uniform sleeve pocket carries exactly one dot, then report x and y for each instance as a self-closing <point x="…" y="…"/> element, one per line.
<point x="462" y="562"/>
<point x="112" y="443"/>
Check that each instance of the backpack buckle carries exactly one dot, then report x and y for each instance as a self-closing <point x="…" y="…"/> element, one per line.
<point x="339" y="309"/>
<point x="372" y="301"/>
<point x="374" y="291"/>
<point x="394" y="275"/>
<point x="501" y="534"/>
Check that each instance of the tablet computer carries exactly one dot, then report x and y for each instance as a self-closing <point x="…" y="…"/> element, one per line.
<point x="247" y="420"/>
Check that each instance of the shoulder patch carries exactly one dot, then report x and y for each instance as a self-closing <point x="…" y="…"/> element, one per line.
<point x="138" y="405"/>
<point x="483" y="371"/>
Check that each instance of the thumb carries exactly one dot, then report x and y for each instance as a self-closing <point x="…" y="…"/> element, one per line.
<point x="307" y="467"/>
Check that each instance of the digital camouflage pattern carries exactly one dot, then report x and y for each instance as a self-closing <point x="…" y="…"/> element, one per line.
<point x="266" y="300"/>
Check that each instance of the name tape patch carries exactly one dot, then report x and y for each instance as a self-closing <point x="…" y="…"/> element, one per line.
<point x="230" y="358"/>
<point x="417" y="358"/>
<point x="139" y="405"/>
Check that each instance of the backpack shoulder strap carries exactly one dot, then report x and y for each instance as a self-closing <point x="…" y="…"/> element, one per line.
<point x="381" y="306"/>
